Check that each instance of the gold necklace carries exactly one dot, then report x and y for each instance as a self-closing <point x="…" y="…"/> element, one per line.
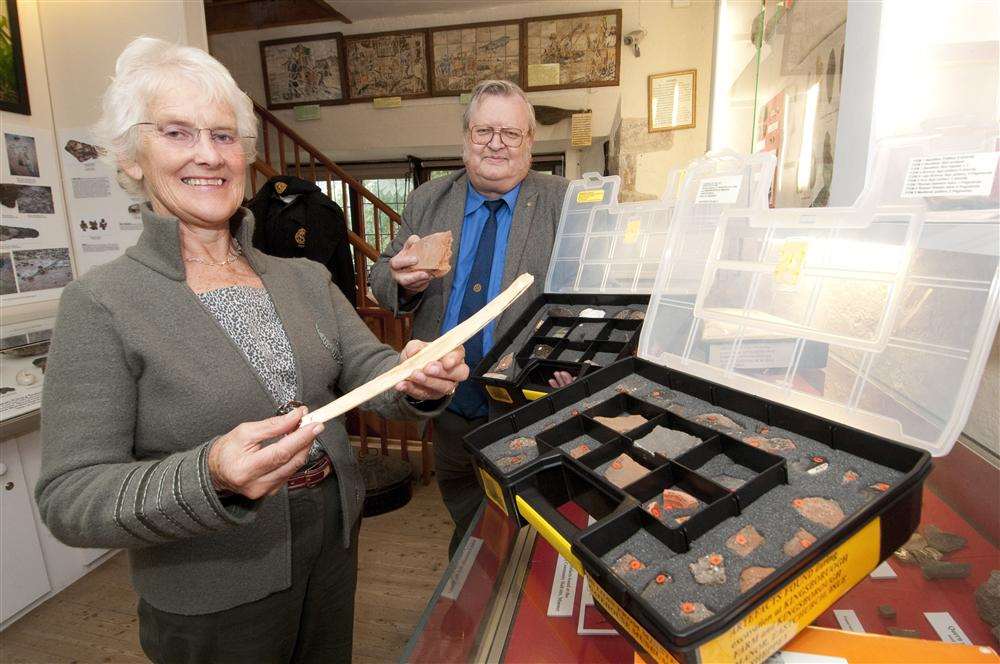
<point x="235" y="251"/>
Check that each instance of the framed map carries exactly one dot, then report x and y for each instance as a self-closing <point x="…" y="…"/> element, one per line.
<point x="572" y="50"/>
<point x="387" y="64"/>
<point x="463" y="55"/>
<point x="302" y="70"/>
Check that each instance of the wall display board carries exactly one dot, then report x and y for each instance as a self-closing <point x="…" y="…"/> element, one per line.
<point x="34" y="245"/>
<point x="103" y="218"/>
<point x="387" y="64"/>
<point x="463" y="55"/>
<point x="573" y="50"/>
<point x="24" y="349"/>
<point x="302" y="70"/>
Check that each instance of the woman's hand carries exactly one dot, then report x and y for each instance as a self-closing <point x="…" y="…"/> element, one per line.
<point x="238" y="463"/>
<point x="561" y="379"/>
<point x="437" y="379"/>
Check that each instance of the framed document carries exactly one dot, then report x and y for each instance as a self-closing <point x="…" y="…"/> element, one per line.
<point x="671" y="102"/>
<point x="302" y="70"/>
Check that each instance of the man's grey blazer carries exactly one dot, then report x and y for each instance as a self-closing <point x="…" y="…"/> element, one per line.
<point x="439" y="205"/>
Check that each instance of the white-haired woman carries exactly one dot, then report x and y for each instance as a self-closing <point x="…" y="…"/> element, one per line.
<point x="164" y="373"/>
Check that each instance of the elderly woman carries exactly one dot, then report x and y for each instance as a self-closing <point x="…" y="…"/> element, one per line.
<point x="165" y="371"/>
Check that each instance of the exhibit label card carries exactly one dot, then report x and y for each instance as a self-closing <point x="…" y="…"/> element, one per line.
<point x="563" y="592"/>
<point x="453" y="588"/>
<point x="723" y="190"/>
<point x="965" y="174"/>
<point x="947" y="628"/>
<point x="848" y="620"/>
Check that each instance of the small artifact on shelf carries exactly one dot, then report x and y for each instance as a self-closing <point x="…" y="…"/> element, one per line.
<point x="744" y="541"/>
<point x="694" y="612"/>
<point x="900" y="631"/>
<point x="814" y="464"/>
<point x="25" y="378"/>
<point x="709" y="570"/>
<point x="941" y="541"/>
<point x="433" y="254"/>
<point x="669" y="443"/>
<point x="560" y="312"/>
<point x="849" y="476"/>
<point x="729" y="482"/>
<point x="579" y="450"/>
<point x="508" y="462"/>
<point x="504" y="363"/>
<point x="751" y="576"/>
<point x="675" y="499"/>
<point x="717" y="421"/>
<point x="541" y="351"/>
<point x="522" y="443"/>
<point x="627" y="564"/>
<point x="624" y="470"/>
<point x="630" y="314"/>
<point x="592" y="313"/>
<point x="800" y="541"/>
<point x="823" y="511"/>
<point x="887" y="611"/>
<point x="659" y="583"/>
<point x="988" y="599"/>
<point x="940" y="569"/>
<point x="621" y="423"/>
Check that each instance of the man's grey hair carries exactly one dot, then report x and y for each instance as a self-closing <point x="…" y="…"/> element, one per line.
<point x="497" y="88"/>
<point x="149" y="67"/>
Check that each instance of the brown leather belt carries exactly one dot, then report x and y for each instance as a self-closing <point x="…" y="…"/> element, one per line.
<point x="311" y="475"/>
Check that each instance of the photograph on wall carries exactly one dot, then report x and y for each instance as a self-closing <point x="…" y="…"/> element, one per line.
<point x="24" y="349"/>
<point x="573" y="51"/>
<point x="22" y="158"/>
<point x="13" y="84"/>
<point x="8" y="283"/>
<point x="387" y="65"/>
<point x="302" y="70"/>
<point x="461" y="56"/>
<point x="42" y="269"/>
<point x="104" y="219"/>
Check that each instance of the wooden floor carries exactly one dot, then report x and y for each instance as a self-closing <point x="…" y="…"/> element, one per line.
<point x="400" y="559"/>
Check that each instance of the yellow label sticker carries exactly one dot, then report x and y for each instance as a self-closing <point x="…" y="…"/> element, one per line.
<point x="493" y="490"/>
<point x="790" y="610"/>
<point x="533" y="395"/>
<point x="632" y="231"/>
<point x="499" y="394"/>
<point x="590" y="196"/>
<point x="387" y="102"/>
<point x="791" y="258"/>
<point x="548" y="531"/>
<point x="629" y="624"/>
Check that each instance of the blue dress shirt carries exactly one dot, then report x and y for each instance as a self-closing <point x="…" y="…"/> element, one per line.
<point x="476" y="215"/>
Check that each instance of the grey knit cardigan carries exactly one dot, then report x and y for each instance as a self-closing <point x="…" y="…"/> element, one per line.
<point x="140" y="381"/>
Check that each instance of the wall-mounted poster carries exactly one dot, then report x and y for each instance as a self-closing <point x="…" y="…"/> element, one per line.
<point x="302" y="70"/>
<point x="13" y="84"/>
<point x="34" y="244"/>
<point x="573" y="50"/>
<point x="387" y="64"/>
<point x="104" y="219"/>
<point x="463" y="55"/>
<point x="24" y="351"/>
<point x="671" y="100"/>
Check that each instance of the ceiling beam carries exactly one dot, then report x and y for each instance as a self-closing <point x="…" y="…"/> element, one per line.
<point x="238" y="15"/>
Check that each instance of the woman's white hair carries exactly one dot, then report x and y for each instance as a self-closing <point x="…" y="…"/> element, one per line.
<point x="497" y="88"/>
<point x="145" y="69"/>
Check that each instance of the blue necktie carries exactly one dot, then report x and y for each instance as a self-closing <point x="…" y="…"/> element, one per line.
<point x="470" y="399"/>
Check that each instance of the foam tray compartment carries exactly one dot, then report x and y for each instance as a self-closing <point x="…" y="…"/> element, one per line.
<point x="725" y="455"/>
<point x="717" y="503"/>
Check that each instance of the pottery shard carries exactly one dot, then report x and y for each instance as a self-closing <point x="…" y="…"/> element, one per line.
<point x="579" y="450"/>
<point x="887" y="611"/>
<point x="751" y="576"/>
<point x="694" y="612"/>
<point x="941" y="541"/>
<point x="433" y="253"/>
<point x="627" y="564"/>
<point x="939" y="569"/>
<point x="710" y="570"/>
<point x="823" y="511"/>
<point x="900" y="631"/>
<point x="522" y="443"/>
<point x="503" y="363"/>
<point x="716" y="421"/>
<point x="668" y="443"/>
<point x="988" y="599"/>
<point x="621" y="423"/>
<point x="744" y="541"/>
<point x="848" y="477"/>
<point x="624" y="470"/>
<point x="799" y="542"/>
<point x="508" y="462"/>
<point x="82" y="151"/>
<point x="675" y="499"/>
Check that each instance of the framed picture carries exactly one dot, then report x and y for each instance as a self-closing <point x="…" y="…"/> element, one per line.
<point x="303" y="70"/>
<point x="387" y="64"/>
<point x="13" y="84"/>
<point x="671" y="100"/>
<point x="463" y="55"/>
<point x="572" y="51"/>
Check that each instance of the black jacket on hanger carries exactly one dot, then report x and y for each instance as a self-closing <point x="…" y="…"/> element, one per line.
<point x="309" y="226"/>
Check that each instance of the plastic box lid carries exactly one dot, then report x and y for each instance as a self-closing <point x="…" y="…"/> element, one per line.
<point x="603" y="246"/>
<point x="879" y="316"/>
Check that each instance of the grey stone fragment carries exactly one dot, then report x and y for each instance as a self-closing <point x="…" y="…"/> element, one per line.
<point x="939" y="569"/>
<point x="710" y="570"/>
<point x="669" y="443"/>
<point x="942" y="541"/>
<point x="887" y="611"/>
<point x="988" y="599"/>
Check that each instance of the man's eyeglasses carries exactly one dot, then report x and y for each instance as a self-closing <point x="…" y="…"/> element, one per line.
<point x="509" y="136"/>
<point x="184" y="136"/>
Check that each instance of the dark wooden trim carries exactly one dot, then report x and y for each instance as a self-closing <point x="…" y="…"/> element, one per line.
<point x="580" y="84"/>
<point x="469" y="26"/>
<point x="337" y="37"/>
<point x="335" y="15"/>
<point x="348" y="39"/>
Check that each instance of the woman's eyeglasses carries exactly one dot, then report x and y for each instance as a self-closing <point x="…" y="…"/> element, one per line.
<point x="184" y="136"/>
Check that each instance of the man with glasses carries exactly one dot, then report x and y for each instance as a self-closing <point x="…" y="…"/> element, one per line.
<point x="503" y="218"/>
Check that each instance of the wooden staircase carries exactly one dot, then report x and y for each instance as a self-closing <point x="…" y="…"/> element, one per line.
<point x="281" y="151"/>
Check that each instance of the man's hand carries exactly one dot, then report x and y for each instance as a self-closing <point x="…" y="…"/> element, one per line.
<point x="437" y="379"/>
<point x="561" y="379"/>
<point x="238" y="462"/>
<point x="410" y="280"/>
